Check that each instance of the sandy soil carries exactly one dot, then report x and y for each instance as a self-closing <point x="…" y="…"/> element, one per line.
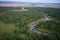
<point x="19" y="10"/>
<point x="15" y="5"/>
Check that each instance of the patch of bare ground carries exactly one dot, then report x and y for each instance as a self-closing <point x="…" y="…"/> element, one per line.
<point x="20" y="10"/>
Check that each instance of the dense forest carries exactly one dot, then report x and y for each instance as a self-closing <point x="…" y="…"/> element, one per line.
<point x="14" y="24"/>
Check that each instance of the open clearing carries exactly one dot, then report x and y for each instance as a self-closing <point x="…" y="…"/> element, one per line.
<point x="20" y="10"/>
<point x="5" y="27"/>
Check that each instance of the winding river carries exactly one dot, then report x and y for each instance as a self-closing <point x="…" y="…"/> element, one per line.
<point x="34" y="24"/>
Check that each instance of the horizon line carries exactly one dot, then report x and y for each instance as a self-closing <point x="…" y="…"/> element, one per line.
<point x="29" y="2"/>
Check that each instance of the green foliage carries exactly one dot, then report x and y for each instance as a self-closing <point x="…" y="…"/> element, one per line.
<point x="14" y="24"/>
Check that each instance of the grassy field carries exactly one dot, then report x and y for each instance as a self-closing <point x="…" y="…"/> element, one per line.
<point x="5" y="27"/>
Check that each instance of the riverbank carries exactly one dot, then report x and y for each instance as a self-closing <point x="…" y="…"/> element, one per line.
<point x="34" y="24"/>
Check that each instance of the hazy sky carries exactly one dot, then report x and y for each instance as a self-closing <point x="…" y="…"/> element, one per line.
<point x="41" y="1"/>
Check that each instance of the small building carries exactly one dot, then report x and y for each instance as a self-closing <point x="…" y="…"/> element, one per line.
<point x="22" y="8"/>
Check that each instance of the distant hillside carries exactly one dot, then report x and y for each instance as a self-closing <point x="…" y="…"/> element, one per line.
<point x="10" y="2"/>
<point x="1" y="2"/>
<point x="27" y="4"/>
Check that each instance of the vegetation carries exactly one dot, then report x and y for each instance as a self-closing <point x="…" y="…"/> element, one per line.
<point x="14" y="24"/>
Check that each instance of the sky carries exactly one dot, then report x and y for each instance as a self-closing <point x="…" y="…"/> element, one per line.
<point x="40" y="1"/>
